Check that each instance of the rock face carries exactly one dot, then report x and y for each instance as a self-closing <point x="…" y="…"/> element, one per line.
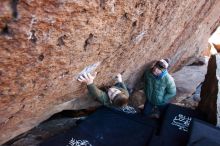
<point x="188" y="82"/>
<point x="42" y="132"/>
<point x="189" y="77"/>
<point x="214" y="39"/>
<point x="45" y="44"/>
<point x="209" y="92"/>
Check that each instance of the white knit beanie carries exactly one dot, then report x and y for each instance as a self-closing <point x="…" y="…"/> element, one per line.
<point x="165" y="63"/>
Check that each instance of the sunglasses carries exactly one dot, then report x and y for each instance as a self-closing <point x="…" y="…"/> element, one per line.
<point x="159" y="65"/>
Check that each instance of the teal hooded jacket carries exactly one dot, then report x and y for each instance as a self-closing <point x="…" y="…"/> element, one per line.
<point x="159" y="91"/>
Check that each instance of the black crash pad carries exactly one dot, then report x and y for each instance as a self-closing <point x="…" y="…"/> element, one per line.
<point x="204" y="134"/>
<point x="175" y="125"/>
<point x="108" y="127"/>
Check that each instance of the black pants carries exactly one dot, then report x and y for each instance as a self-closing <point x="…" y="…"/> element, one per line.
<point x="150" y="108"/>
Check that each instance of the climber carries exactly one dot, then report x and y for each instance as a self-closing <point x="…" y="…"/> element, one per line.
<point x="159" y="88"/>
<point x="117" y="96"/>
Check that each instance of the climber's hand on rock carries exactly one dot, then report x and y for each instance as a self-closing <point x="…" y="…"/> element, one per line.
<point x="119" y="77"/>
<point x="87" y="78"/>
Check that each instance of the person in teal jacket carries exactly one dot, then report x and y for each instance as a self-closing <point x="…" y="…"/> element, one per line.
<point x="117" y="96"/>
<point x="159" y="88"/>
